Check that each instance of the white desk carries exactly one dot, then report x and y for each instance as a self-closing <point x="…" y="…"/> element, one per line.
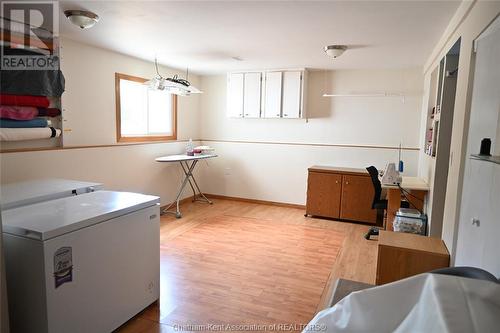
<point x="188" y="168"/>
<point x="417" y="188"/>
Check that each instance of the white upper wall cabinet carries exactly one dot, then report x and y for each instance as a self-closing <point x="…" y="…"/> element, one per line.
<point x="272" y="104"/>
<point x="292" y="94"/>
<point x="252" y="95"/>
<point x="266" y="94"/>
<point x="235" y="95"/>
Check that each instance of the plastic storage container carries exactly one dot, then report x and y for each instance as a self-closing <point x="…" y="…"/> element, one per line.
<point x="410" y="221"/>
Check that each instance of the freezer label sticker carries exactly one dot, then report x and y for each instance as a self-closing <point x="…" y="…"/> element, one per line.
<point x="63" y="266"/>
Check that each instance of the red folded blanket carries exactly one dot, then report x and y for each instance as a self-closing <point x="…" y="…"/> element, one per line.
<point x="18" y="112"/>
<point x="26" y="112"/>
<point x="24" y="100"/>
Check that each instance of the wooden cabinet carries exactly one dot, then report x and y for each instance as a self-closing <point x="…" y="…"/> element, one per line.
<point x="252" y="95"/>
<point x="292" y="94"/>
<point x="266" y="94"/>
<point x="340" y="193"/>
<point x="323" y="194"/>
<point x="357" y="198"/>
<point x="272" y="103"/>
<point x="235" y="95"/>
<point x="244" y="95"/>
<point x="401" y="255"/>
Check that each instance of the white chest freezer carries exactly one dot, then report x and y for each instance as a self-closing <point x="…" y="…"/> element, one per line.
<point x="30" y="192"/>
<point x="85" y="263"/>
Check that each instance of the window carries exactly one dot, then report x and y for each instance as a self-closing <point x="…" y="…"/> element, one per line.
<point x="143" y="114"/>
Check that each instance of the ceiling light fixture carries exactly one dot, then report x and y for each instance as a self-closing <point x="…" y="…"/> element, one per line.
<point x="335" y="51"/>
<point x="82" y="18"/>
<point x="173" y="85"/>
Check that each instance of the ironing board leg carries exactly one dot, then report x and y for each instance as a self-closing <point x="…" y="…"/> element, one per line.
<point x="185" y="168"/>
<point x="177" y="212"/>
<point x="192" y="181"/>
<point x="188" y="178"/>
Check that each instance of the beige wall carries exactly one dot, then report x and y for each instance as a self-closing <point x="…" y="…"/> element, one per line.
<point x="89" y="113"/>
<point x="470" y="20"/>
<point x="333" y="135"/>
<point x="89" y="100"/>
<point x="123" y="168"/>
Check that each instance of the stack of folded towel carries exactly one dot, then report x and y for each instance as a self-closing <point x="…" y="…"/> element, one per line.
<point x="20" y="118"/>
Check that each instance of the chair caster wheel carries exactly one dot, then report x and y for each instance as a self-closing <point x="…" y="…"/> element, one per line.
<point x="178" y="215"/>
<point x="373" y="231"/>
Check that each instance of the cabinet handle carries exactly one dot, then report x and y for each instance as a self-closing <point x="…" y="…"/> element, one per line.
<point x="277" y="115"/>
<point x="285" y="115"/>
<point x="347" y="183"/>
<point x="336" y="182"/>
<point x="246" y="114"/>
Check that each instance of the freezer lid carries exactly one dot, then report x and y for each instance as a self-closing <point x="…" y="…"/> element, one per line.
<point x="49" y="219"/>
<point x="30" y="192"/>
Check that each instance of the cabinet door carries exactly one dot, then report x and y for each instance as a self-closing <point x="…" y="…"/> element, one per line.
<point x="292" y="94"/>
<point x="252" y="95"/>
<point x="357" y="198"/>
<point x="323" y="194"/>
<point x="272" y="104"/>
<point x="235" y="95"/>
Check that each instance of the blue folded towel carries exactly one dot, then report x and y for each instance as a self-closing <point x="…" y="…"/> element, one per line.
<point x="37" y="122"/>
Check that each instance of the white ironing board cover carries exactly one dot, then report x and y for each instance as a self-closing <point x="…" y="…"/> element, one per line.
<point x="181" y="158"/>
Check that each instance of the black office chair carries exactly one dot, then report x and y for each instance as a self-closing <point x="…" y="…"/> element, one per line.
<point x="468" y="272"/>
<point x="379" y="204"/>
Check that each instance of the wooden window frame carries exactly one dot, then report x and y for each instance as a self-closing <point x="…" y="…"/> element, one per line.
<point x="119" y="137"/>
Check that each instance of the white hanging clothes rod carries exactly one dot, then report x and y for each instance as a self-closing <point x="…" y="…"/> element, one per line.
<point x="386" y="94"/>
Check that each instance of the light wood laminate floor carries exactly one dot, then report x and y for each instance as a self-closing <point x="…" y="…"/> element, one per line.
<point x="243" y="263"/>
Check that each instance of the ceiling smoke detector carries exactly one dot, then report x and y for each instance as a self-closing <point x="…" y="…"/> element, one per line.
<point x="82" y="18"/>
<point x="335" y="51"/>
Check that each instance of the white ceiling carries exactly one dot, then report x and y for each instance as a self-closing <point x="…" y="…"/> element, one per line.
<point x="207" y="35"/>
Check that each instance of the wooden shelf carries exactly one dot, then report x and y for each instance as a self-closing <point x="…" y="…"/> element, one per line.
<point x="491" y="159"/>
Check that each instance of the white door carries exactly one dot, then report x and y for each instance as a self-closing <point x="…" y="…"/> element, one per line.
<point x="292" y="92"/>
<point x="235" y="95"/>
<point x="252" y="95"/>
<point x="272" y="104"/>
<point x="477" y="243"/>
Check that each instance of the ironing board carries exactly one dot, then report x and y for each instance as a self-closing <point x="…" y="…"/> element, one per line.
<point x="188" y="163"/>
